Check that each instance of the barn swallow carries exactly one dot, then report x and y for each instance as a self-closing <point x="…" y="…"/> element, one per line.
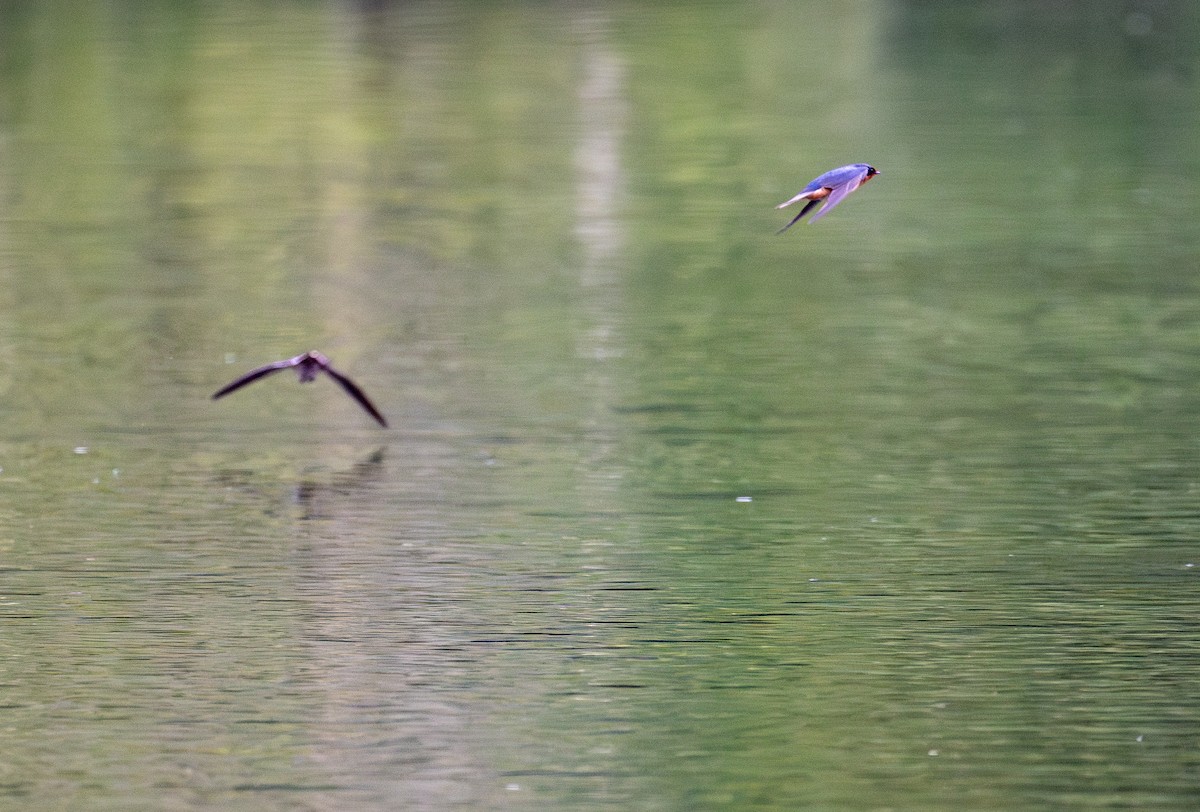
<point x="307" y="366"/>
<point x="832" y="187"/>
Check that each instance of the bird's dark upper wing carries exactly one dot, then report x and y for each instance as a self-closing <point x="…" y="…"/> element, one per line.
<point x="352" y="389"/>
<point x="252" y="376"/>
<point x="838" y="195"/>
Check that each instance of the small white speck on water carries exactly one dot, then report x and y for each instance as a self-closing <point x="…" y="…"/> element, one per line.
<point x="745" y="499"/>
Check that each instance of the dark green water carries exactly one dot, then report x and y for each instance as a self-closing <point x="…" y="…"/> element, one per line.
<point x="896" y="511"/>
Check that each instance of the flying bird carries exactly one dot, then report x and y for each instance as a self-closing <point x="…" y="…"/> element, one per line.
<point x="832" y="187"/>
<point x="307" y="366"/>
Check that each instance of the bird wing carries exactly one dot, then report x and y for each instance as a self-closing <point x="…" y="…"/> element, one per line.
<point x="252" y="376"/>
<point x="837" y="196"/>
<point x="359" y="395"/>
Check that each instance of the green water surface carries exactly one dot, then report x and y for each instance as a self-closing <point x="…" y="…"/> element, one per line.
<point x="896" y="511"/>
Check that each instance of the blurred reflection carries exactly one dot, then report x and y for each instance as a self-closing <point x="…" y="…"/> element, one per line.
<point x="322" y="498"/>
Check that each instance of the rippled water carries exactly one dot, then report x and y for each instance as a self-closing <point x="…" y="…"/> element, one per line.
<point x="897" y="511"/>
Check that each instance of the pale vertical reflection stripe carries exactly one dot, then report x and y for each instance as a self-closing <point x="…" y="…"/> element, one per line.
<point x="598" y="158"/>
<point x="602" y="119"/>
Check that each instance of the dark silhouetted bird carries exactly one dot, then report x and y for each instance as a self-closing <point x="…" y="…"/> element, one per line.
<point x="307" y="366"/>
